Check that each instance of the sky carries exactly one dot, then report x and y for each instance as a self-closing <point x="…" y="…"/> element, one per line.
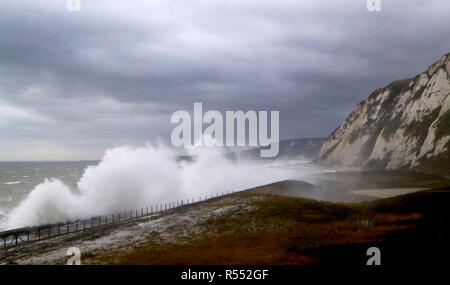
<point x="73" y="84"/>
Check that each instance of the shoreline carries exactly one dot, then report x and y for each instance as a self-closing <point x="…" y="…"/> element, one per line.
<point x="220" y="230"/>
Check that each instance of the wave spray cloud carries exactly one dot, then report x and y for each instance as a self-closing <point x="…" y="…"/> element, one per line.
<point x="136" y="177"/>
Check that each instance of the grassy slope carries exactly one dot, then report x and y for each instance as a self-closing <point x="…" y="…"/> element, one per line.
<point x="353" y="180"/>
<point x="288" y="230"/>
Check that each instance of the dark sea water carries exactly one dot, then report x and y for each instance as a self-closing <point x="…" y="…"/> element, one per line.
<point x="18" y="179"/>
<point x="128" y="179"/>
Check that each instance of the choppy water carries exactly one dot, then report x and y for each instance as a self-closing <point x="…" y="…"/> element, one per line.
<point x="18" y="179"/>
<point x="127" y="178"/>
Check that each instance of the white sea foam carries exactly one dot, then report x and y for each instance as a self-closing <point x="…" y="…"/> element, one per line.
<point x="130" y="178"/>
<point x="12" y="183"/>
<point x="6" y="199"/>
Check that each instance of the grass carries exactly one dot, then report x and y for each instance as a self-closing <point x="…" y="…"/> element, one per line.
<point x="436" y="164"/>
<point x="281" y="231"/>
<point x="266" y="228"/>
<point x="443" y="126"/>
<point x="392" y="126"/>
<point x="386" y="179"/>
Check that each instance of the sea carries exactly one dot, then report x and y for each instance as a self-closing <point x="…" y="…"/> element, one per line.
<point x="33" y="193"/>
<point x="18" y="179"/>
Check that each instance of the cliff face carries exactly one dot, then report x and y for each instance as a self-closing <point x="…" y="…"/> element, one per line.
<point x="303" y="149"/>
<point x="403" y="125"/>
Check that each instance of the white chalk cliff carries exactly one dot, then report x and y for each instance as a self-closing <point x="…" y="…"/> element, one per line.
<point x="405" y="125"/>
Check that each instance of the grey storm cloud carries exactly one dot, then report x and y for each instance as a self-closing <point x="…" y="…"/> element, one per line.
<point x="75" y="83"/>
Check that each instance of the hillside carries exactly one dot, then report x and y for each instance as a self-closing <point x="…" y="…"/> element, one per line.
<point x="405" y="125"/>
<point x="304" y="149"/>
<point x="272" y="224"/>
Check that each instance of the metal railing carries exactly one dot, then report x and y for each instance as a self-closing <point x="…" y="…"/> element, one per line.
<point x="15" y="237"/>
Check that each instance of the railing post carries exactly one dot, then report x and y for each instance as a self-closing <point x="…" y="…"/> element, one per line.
<point x="84" y="224"/>
<point x="49" y="230"/>
<point x="68" y="227"/>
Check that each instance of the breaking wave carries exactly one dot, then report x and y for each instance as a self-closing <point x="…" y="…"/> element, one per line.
<point x="135" y="177"/>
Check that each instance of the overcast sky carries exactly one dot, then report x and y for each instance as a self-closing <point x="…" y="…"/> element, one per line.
<point x="73" y="84"/>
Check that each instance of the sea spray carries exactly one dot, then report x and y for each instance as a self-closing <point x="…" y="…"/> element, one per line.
<point x="129" y="178"/>
<point x="50" y="201"/>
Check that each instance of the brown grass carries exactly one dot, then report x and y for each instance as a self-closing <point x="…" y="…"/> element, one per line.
<point x="279" y="230"/>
